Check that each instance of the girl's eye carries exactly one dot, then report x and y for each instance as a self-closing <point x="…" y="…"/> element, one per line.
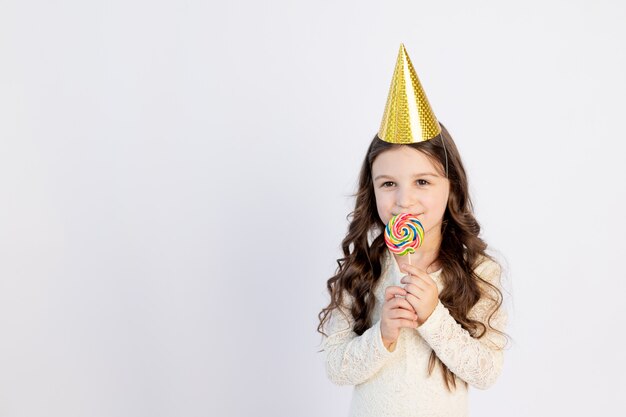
<point x="387" y="184"/>
<point x="422" y="182"/>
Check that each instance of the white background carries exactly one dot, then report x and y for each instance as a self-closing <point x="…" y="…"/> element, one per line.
<point x="175" y="178"/>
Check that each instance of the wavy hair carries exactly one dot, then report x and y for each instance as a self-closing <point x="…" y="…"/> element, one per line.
<point x="459" y="254"/>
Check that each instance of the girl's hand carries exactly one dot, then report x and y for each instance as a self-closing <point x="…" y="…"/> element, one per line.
<point x="397" y="313"/>
<point x="423" y="294"/>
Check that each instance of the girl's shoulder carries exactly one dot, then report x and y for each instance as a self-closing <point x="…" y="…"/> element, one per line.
<point x="488" y="269"/>
<point x="489" y="282"/>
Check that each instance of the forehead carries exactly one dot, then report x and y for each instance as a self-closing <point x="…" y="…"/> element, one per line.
<point x="403" y="161"/>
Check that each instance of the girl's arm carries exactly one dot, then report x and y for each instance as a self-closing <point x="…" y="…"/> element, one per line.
<point x="476" y="361"/>
<point x="352" y="359"/>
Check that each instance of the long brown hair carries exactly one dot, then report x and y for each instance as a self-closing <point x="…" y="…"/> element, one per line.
<point x="460" y="251"/>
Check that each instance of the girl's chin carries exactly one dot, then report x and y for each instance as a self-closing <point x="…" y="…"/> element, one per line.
<point x="420" y="218"/>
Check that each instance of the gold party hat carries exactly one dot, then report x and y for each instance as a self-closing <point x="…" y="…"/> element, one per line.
<point x="408" y="117"/>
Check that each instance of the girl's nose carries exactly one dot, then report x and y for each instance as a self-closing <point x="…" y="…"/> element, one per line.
<point x="405" y="199"/>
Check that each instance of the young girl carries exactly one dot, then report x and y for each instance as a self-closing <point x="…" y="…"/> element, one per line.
<point x="390" y="324"/>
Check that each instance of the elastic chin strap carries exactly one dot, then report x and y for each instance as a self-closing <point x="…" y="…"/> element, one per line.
<point x="445" y="152"/>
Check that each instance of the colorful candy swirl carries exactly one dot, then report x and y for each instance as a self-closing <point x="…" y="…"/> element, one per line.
<point x="404" y="233"/>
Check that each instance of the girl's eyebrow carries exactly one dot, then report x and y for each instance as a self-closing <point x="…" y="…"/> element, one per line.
<point x="423" y="174"/>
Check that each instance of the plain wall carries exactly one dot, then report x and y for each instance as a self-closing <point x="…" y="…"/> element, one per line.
<point x="175" y="179"/>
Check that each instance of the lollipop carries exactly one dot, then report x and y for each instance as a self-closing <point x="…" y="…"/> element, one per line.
<point x="404" y="233"/>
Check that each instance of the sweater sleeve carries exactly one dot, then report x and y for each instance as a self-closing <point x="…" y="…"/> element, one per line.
<point x="476" y="361"/>
<point x="352" y="359"/>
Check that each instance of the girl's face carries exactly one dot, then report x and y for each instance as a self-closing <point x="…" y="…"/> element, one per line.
<point x="406" y="181"/>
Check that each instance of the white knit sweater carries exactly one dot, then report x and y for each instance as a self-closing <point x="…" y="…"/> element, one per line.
<point x="397" y="383"/>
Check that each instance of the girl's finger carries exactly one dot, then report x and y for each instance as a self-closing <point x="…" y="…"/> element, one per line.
<point x="411" y="324"/>
<point x="413" y="300"/>
<point x="415" y="281"/>
<point x="392" y="291"/>
<point x="415" y="290"/>
<point x="400" y="303"/>
<point x="418" y="273"/>
<point x="400" y="313"/>
<point x="407" y="279"/>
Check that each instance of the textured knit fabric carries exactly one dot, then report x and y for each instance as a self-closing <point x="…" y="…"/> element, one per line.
<point x="397" y="383"/>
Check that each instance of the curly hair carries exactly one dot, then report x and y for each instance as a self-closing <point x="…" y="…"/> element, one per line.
<point x="460" y="252"/>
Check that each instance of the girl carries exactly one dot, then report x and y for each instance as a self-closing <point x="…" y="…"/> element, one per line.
<point x="390" y="324"/>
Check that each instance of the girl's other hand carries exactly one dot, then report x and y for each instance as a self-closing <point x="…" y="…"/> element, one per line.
<point x="423" y="294"/>
<point x="397" y="313"/>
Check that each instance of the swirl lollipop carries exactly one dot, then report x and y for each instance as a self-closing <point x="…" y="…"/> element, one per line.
<point x="403" y="234"/>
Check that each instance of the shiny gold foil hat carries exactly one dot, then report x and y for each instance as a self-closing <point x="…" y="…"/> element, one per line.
<point x="408" y="117"/>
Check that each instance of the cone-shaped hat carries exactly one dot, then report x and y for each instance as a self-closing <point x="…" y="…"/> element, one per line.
<point x="408" y="117"/>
